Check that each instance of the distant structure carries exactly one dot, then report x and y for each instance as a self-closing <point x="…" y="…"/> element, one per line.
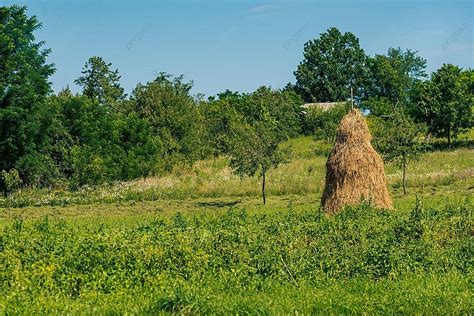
<point x="322" y="105"/>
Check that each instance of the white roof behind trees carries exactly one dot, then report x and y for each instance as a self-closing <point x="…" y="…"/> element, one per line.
<point x="322" y="105"/>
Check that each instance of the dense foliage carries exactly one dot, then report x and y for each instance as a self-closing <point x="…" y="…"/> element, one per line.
<point x="224" y="254"/>
<point x="238" y="261"/>
<point x="267" y="119"/>
<point x="24" y="83"/>
<point x="332" y="64"/>
<point x="445" y="102"/>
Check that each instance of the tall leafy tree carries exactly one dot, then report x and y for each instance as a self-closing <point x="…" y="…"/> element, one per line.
<point x="142" y="148"/>
<point x="24" y="83"/>
<point x="446" y="102"/>
<point x="332" y="64"/>
<point x="100" y="82"/>
<point x="284" y="107"/>
<point x="95" y="153"/>
<point x="394" y="74"/>
<point x="89" y="144"/>
<point x="392" y="80"/>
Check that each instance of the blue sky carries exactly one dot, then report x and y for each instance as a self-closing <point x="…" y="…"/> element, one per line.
<point x="238" y="45"/>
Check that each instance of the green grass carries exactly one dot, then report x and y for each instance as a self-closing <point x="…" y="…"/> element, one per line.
<point x="238" y="261"/>
<point x="200" y="241"/>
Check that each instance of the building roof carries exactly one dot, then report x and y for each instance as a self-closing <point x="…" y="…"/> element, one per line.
<point x="322" y="105"/>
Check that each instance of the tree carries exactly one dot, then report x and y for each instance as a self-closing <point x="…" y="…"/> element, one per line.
<point x="256" y="138"/>
<point x="225" y="110"/>
<point x="393" y="75"/>
<point x="95" y="153"/>
<point x="142" y="148"/>
<point x="89" y="144"/>
<point x="467" y="82"/>
<point x="332" y="64"/>
<point x="393" y="80"/>
<point x="99" y="82"/>
<point x="46" y="161"/>
<point x="446" y="102"/>
<point x="24" y="81"/>
<point x="284" y="107"/>
<point x="399" y="139"/>
<point x="219" y="113"/>
<point x="171" y="112"/>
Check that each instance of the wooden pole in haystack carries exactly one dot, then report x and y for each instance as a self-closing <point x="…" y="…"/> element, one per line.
<point x="352" y="99"/>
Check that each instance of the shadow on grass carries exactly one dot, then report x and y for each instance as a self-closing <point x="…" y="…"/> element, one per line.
<point x="217" y="204"/>
<point x="441" y="145"/>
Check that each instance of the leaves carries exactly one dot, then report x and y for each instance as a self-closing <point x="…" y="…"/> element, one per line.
<point x="322" y="123"/>
<point x="399" y="138"/>
<point x="265" y="119"/>
<point x="9" y="181"/>
<point x="24" y="81"/>
<point x="332" y="64"/>
<point x="394" y="75"/>
<point x="100" y="83"/>
<point x="172" y="114"/>
<point x="446" y="101"/>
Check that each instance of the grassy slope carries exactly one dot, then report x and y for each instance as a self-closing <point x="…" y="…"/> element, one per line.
<point x="116" y="218"/>
<point x="438" y="178"/>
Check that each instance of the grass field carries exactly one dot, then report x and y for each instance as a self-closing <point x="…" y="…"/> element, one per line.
<point x="200" y="241"/>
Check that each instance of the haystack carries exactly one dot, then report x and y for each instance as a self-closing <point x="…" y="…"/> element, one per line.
<point x="354" y="170"/>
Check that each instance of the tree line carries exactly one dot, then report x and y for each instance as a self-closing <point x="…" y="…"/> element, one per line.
<point x="102" y="135"/>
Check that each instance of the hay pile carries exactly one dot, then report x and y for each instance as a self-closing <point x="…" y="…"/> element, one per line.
<point x="354" y="170"/>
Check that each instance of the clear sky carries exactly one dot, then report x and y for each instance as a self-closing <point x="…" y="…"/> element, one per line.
<point x="239" y="45"/>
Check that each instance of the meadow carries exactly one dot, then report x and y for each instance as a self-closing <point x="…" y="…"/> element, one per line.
<point x="200" y="241"/>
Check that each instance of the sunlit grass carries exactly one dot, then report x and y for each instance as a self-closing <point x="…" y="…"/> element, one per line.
<point x="436" y="173"/>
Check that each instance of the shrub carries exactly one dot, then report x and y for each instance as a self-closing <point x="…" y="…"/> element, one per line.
<point x="9" y="181"/>
<point x="323" y="123"/>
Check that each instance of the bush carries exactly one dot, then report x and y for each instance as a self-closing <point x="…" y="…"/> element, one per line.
<point x="40" y="170"/>
<point x="9" y="181"/>
<point x="323" y="123"/>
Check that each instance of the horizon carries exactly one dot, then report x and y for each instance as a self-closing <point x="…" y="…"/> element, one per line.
<point x="238" y="45"/>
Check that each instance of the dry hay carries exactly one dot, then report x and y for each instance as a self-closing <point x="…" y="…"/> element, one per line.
<point x="354" y="170"/>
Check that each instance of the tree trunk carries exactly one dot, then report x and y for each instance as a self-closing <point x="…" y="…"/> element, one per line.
<point x="404" y="179"/>
<point x="449" y="137"/>
<point x="263" y="187"/>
